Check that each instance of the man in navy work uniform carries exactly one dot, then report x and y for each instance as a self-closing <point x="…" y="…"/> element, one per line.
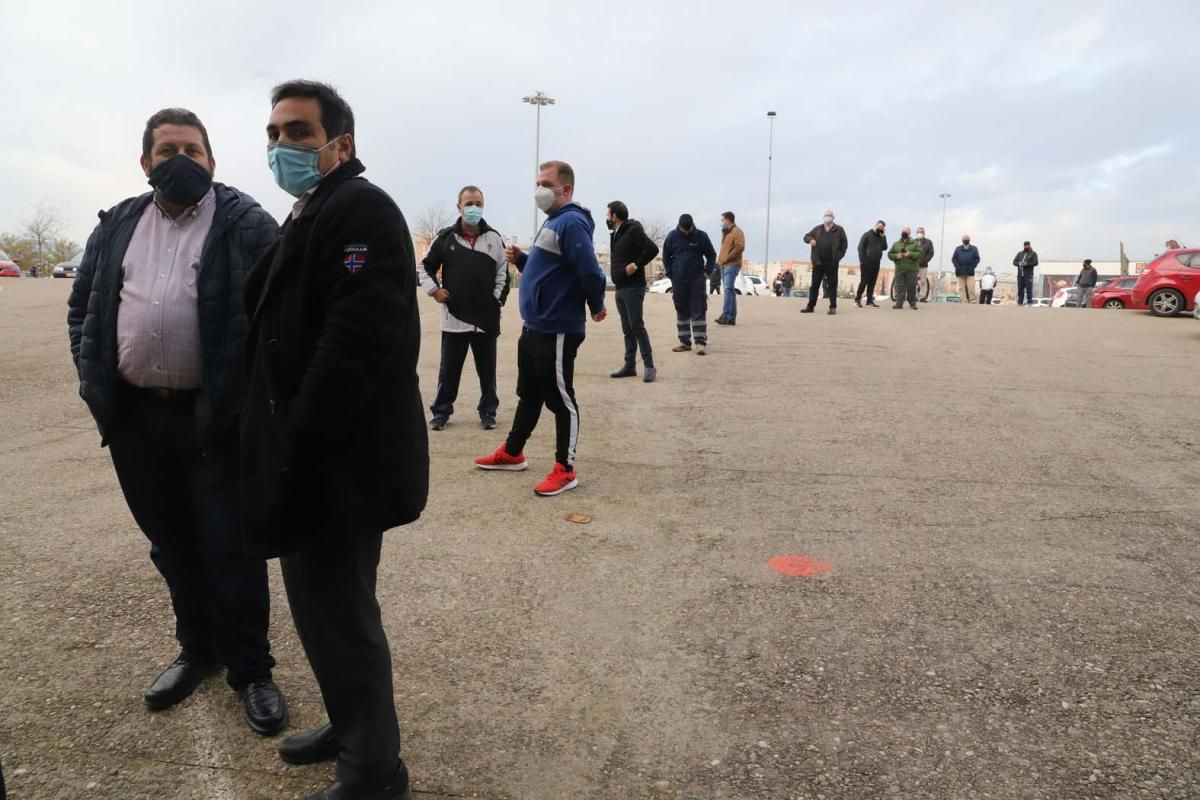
<point x="559" y="277"/>
<point x="334" y="446"/>
<point x="688" y="256"/>
<point x="469" y="258"/>
<point x="157" y="327"/>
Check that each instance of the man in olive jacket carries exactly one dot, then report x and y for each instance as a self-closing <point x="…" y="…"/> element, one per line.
<point x="335" y="450"/>
<point x="905" y="253"/>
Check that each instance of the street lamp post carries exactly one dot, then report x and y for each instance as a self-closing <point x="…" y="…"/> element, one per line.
<point x="942" y="256"/>
<point x="770" y="164"/>
<point x="538" y="99"/>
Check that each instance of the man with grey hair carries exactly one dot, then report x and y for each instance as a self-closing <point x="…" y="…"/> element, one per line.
<point x="829" y="244"/>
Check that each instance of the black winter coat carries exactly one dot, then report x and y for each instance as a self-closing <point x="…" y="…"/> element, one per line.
<point x="630" y="245"/>
<point x="333" y="432"/>
<point x="241" y="232"/>
<point x="871" y="247"/>
<point x="840" y="243"/>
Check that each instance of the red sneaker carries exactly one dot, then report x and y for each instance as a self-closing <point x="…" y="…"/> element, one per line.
<point x="502" y="460"/>
<point x="559" y="480"/>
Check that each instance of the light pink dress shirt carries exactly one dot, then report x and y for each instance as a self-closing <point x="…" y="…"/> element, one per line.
<point x="158" y="320"/>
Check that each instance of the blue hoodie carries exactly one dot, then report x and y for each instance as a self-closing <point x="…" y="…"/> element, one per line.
<point x="560" y="273"/>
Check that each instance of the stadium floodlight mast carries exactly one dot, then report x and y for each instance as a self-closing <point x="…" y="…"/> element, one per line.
<point x="942" y="256"/>
<point x="538" y="99"/>
<point x="770" y="162"/>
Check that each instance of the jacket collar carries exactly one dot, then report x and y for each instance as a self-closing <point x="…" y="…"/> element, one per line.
<point x="457" y="227"/>
<point x="349" y="169"/>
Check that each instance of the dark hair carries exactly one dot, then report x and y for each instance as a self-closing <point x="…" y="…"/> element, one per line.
<point x="172" y="116"/>
<point x="685" y="222"/>
<point x="566" y="175"/>
<point x="729" y="216"/>
<point x="337" y="117"/>
<point x="881" y="222"/>
<point x="469" y="188"/>
<point x="1026" y="244"/>
<point x="619" y="210"/>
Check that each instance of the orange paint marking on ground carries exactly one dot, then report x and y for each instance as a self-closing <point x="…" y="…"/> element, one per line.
<point x="798" y="566"/>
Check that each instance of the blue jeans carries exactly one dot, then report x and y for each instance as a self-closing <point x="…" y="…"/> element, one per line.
<point x="728" y="276"/>
<point x="1024" y="286"/>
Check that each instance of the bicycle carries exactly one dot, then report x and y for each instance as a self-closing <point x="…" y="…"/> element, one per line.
<point x="922" y="289"/>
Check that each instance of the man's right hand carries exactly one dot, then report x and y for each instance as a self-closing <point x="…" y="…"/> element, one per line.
<point x="441" y="295"/>
<point x="513" y="254"/>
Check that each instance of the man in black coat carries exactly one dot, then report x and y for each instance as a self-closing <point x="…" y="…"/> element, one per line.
<point x="157" y="327"/>
<point x="1026" y="261"/>
<point x="829" y="245"/>
<point x="871" y="247"/>
<point x="630" y="250"/>
<point x="335" y="450"/>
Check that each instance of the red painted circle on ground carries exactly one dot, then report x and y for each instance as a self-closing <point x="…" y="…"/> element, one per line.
<point x="798" y="566"/>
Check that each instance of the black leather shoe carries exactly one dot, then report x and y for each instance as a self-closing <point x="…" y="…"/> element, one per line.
<point x="624" y="372"/>
<point x="487" y="421"/>
<point x="266" y="709"/>
<point x="310" y="747"/>
<point x="394" y="788"/>
<point x="177" y="682"/>
<point x="832" y="311"/>
<point x="806" y="311"/>
<point x="858" y="303"/>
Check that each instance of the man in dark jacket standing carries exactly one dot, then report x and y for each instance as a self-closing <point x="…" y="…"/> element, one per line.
<point x="965" y="260"/>
<point x="335" y="450"/>
<point x="1087" y="283"/>
<point x="1026" y="261"/>
<point x="926" y="247"/>
<point x="829" y="245"/>
<point x="630" y="250"/>
<point x="688" y="257"/>
<point x="871" y="247"/>
<point x="157" y="325"/>
<point x="469" y="258"/>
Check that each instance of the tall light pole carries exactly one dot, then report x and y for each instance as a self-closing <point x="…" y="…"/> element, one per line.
<point x="538" y="99"/>
<point x="942" y="251"/>
<point x="770" y="164"/>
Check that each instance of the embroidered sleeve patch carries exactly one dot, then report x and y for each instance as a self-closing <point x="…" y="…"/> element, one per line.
<point x="354" y="257"/>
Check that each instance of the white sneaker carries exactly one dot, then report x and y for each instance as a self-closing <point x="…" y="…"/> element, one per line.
<point x="701" y="351"/>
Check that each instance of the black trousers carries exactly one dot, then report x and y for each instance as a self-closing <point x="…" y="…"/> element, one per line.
<point x="691" y="312"/>
<point x="867" y="281"/>
<point x="454" y="356"/>
<point x="830" y="276"/>
<point x="546" y="377"/>
<point x="985" y="297"/>
<point x="187" y="501"/>
<point x="1024" y="285"/>
<point x="331" y="591"/>
<point x="630" y="303"/>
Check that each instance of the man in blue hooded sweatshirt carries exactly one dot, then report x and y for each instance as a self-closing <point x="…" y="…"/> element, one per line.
<point x="559" y="276"/>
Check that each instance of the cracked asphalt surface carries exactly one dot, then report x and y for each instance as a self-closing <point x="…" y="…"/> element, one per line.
<point x="1007" y="498"/>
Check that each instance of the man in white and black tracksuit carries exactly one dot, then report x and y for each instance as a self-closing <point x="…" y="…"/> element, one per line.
<point x="560" y="280"/>
<point x="469" y="256"/>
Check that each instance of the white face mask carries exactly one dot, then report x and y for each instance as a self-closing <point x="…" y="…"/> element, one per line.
<point x="920" y="235"/>
<point x="544" y="198"/>
<point x="828" y="219"/>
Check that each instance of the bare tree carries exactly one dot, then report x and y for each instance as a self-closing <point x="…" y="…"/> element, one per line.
<point x="434" y="219"/>
<point x="657" y="230"/>
<point x="43" y="230"/>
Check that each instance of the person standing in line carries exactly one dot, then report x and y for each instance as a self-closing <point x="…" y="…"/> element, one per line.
<point x="965" y="260"/>
<point x="688" y="256"/>
<point x="1086" y="282"/>
<point x="157" y="326"/>
<point x="714" y="282"/>
<point x="334" y="445"/>
<point x="871" y="247"/>
<point x="777" y="284"/>
<point x="829" y="245"/>
<point x="474" y="273"/>
<point x="631" y="250"/>
<point x="1026" y="261"/>
<point x="926" y="256"/>
<point x="729" y="262"/>
<point x="987" y="286"/>
<point x="560" y="280"/>
<point x="905" y="253"/>
<point x="789" y="283"/>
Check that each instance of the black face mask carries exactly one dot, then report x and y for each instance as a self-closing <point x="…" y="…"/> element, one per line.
<point x="904" y="236"/>
<point x="610" y="224"/>
<point x="181" y="180"/>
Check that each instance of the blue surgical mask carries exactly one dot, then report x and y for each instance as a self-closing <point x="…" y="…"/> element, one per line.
<point x="472" y="215"/>
<point x="295" y="167"/>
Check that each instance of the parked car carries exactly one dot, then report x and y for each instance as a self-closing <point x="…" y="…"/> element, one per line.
<point x="67" y="269"/>
<point x="1168" y="284"/>
<point x="8" y="267"/>
<point x="745" y="284"/>
<point x="1038" y="302"/>
<point x="661" y="286"/>
<point x="946" y="298"/>
<point x="1196" y="306"/>
<point x="1068" y="296"/>
<point x="1116" y="293"/>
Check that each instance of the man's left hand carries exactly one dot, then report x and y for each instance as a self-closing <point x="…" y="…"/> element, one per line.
<point x="630" y="269"/>
<point x="600" y="315"/>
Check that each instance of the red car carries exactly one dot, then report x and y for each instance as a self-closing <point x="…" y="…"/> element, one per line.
<point x="1117" y="293"/>
<point x="7" y="268"/>
<point x="1169" y="283"/>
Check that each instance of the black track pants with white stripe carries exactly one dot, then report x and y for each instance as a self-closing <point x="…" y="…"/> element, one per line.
<point x="546" y="377"/>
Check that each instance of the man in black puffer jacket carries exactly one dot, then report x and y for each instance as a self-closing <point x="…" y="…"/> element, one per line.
<point x="157" y="324"/>
<point x="630" y="250"/>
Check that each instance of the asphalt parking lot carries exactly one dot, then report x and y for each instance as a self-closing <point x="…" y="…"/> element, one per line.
<point x="1004" y="499"/>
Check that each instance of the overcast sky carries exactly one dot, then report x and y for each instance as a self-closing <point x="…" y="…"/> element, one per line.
<point x="1073" y="124"/>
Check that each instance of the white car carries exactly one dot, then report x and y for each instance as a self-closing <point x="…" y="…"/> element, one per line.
<point x="744" y="284"/>
<point x="1196" y="306"/>
<point x="1038" y="302"/>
